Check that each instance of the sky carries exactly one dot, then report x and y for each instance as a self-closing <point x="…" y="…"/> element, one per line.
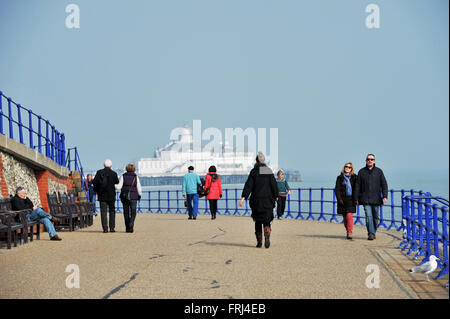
<point x="335" y="89"/>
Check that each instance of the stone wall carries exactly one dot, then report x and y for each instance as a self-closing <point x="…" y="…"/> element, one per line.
<point x="17" y="173"/>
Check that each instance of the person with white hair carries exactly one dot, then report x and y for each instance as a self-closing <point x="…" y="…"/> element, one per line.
<point x="104" y="185"/>
<point x="21" y="202"/>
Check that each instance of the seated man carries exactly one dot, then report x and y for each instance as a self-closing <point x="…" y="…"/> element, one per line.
<point x="20" y="201"/>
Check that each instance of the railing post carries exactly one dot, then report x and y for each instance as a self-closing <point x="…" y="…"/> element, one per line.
<point x="149" y="202"/>
<point x="10" y="119"/>
<point x="288" y="215"/>
<point x="236" y="212"/>
<point x="444" y="262"/>
<point x="334" y="216"/>
<point x="421" y="251"/>
<point x="168" y="202"/>
<point x="392" y="211"/>
<point x="47" y="140"/>
<point x="322" y="216"/>
<point x="428" y="229"/>
<point x="310" y="216"/>
<point x="139" y="209"/>
<point x="409" y="222"/>
<point x="39" y="134"/>
<point x="299" y="215"/>
<point x="63" y="149"/>
<point x="30" y="128"/>
<point x="19" y="118"/>
<point x="178" y="211"/>
<point x="413" y="241"/>
<point x="403" y="222"/>
<point x="57" y="147"/>
<point x="52" y="145"/>
<point x="1" y="113"/>
<point x="159" y="202"/>
<point x="227" y="212"/>
<point x="381" y="222"/>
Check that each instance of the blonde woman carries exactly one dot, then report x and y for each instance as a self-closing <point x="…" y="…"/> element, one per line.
<point x="345" y="184"/>
<point x="131" y="192"/>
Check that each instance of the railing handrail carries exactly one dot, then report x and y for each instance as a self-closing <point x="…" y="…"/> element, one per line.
<point x="54" y="141"/>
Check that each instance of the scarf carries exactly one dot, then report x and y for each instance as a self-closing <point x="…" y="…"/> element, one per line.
<point x="348" y="185"/>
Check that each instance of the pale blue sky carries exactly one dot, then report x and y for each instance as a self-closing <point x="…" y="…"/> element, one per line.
<point x="335" y="89"/>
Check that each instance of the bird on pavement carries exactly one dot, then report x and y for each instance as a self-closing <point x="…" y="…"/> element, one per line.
<point x="427" y="267"/>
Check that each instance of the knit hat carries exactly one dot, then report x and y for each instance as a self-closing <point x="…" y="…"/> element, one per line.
<point x="260" y="158"/>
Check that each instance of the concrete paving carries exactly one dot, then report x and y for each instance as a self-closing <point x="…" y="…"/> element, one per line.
<point x="169" y="256"/>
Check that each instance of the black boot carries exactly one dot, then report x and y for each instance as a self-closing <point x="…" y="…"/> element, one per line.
<point x="267" y="231"/>
<point x="258" y="239"/>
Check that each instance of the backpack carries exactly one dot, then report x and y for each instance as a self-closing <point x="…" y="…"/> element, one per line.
<point x="102" y="182"/>
<point x="201" y="188"/>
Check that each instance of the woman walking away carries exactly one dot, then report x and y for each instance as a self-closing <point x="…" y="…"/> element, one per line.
<point x="213" y="187"/>
<point x="131" y="192"/>
<point x="262" y="187"/>
<point x="345" y="183"/>
<point x="283" y="191"/>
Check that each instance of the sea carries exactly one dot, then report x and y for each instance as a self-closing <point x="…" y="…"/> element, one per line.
<point x="314" y="194"/>
<point x="436" y="183"/>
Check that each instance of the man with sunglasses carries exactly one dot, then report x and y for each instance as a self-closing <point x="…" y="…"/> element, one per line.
<point x="371" y="191"/>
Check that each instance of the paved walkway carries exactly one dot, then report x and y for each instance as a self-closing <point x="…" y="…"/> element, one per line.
<point x="169" y="256"/>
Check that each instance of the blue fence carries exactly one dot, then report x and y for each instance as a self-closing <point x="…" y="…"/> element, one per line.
<point x="28" y="128"/>
<point x="426" y="229"/>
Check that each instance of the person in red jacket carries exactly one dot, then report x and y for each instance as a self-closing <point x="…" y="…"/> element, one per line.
<point x="213" y="188"/>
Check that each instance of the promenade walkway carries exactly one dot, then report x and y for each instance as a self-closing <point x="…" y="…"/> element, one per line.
<point x="169" y="256"/>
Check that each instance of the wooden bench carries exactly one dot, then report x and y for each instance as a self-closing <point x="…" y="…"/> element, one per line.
<point x="65" y="216"/>
<point x="13" y="223"/>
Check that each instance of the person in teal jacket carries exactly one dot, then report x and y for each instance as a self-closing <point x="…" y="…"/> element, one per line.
<point x="189" y="190"/>
<point x="283" y="191"/>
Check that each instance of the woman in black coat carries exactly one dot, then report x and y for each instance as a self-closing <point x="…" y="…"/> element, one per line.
<point x="345" y="184"/>
<point x="130" y="193"/>
<point x="262" y="187"/>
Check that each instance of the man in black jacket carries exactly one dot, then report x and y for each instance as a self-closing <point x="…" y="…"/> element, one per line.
<point x="104" y="185"/>
<point x="21" y="202"/>
<point x="371" y="191"/>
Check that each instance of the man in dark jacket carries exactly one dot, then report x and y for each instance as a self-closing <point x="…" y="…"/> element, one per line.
<point x="21" y="202"/>
<point x="371" y="191"/>
<point x="104" y="185"/>
<point x="262" y="187"/>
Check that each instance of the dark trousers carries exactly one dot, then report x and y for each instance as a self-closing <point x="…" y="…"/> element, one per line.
<point x="259" y="226"/>
<point x="213" y="206"/>
<point x="281" y="205"/>
<point x="129" y="214"/>
<point x="112" y="214"/>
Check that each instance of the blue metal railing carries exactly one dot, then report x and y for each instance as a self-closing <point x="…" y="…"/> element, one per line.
<point x="426" y="229"/>
<point x="74" y="158"/>
<point x="31" y="129"/>
<point x="422" y="232"/>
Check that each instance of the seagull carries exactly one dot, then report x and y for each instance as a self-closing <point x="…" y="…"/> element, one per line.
<point x="427" y="267"/>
